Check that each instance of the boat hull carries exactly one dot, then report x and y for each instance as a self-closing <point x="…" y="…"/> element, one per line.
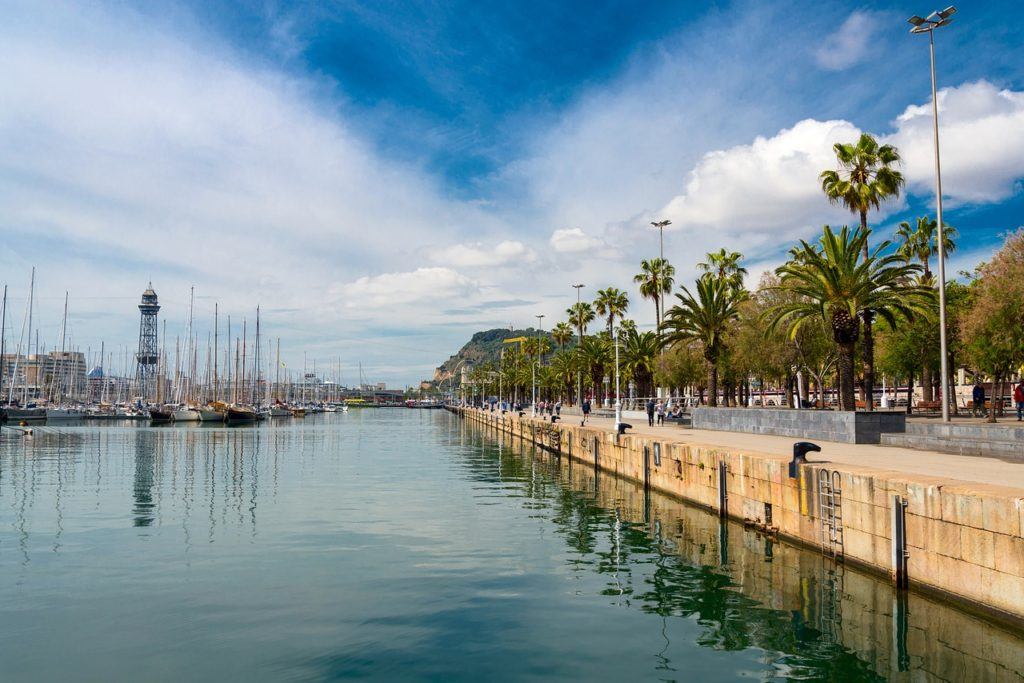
<point x="161" y="416"/>
<point x="240" y="415"/>
<point x="25" y="414"/>
<point x="186" y="415"/>
<point x="210" y="415"/>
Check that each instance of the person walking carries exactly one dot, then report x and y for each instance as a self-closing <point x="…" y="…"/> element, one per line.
<point x="586" y="410"/>
<point x="650" y="412"/>
<point x="978" y="399"/>
<point x="558" y="407"/>
<point x="1018" y="398"/>
<point x="660" y="411"/>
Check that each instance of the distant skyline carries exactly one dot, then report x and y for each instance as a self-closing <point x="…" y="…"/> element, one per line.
<point x="386" y="178"/>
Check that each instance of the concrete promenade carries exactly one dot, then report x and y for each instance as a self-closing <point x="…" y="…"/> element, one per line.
<point x="1004" y="475"/>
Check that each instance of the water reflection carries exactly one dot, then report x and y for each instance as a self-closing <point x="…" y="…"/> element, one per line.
<point x="811" y="617"/>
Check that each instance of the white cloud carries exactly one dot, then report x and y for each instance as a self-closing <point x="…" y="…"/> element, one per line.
<point x="507" y="252"/>
<point x="396" y="289"/>
<point x="767" y="187"/>
<point x="982" y="143"/>
<point x="849" y="44"/>
<point x="574" y="241"/>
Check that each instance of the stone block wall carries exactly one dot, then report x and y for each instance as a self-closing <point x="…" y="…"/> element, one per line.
<point x="827" y="425"/>
<point x="965" y="542"/>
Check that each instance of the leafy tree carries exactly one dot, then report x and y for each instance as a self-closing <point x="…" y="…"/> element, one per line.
<point x="655" y="278"/>
<point x="683" y="365"/>
<point x="993" y="328"/>
<point x="835" y="283"/>
<point x="611" y="303"/>
<point x="866" y="177"/>
<point x="706" y="318"/>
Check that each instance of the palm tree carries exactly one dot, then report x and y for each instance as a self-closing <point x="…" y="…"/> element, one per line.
<point x="706" y="318"/>
<point x="611" y="303"/>
<point x="866" y="177"/>
<point x="639" y="357"/>
<point x="626" y="325"/>
<point x="833" y="281"/>
<point x="562" y="334"/>
<point x="655" y="278"/>
<point x="726" y="266"/>
<point x="580" y="315"/>
<point x="921" y="242"/>
<point x="595" y="354"/>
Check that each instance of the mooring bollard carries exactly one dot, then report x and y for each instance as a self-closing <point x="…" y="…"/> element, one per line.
<point x="800" y="451"/>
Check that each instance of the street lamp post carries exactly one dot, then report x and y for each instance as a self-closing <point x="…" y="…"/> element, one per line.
<point x="928" y="25"/>
<point x="579" y="321"/>
<point x="540" y="330"/>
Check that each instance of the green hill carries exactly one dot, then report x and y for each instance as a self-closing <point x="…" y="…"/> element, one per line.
<point x="482" y="347"/>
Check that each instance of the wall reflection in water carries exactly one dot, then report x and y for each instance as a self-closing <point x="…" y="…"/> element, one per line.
<point x="811" y="616"/>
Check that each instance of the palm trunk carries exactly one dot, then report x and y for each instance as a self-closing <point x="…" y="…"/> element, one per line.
<point x="995" y="392"/>
<point x="712" y="385"/>
<point x="910" y="393"/>
<point x="847" y="397"/>
<point x="927" y="384"/>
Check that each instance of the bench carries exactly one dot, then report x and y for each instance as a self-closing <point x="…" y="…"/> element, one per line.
<point x="928" y="405"/>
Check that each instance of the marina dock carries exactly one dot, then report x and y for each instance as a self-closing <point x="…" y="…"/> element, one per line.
<point x="944" y="524"/>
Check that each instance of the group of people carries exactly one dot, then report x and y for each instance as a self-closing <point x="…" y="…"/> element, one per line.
<point x="658" y="410"/>
<point x="978" y="400"/>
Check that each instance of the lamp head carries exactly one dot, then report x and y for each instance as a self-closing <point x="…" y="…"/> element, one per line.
<point x="948" y="12"/>
<point x="916" y="20"/>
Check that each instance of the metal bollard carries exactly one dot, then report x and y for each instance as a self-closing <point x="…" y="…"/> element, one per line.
<point x="800" y="451"/>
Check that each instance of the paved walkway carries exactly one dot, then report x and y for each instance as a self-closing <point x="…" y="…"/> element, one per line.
<point x="956" y="469"/>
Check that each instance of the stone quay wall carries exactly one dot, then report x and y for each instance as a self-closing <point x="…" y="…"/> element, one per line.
<point x="827" y="425"/>
<point x="962" y="541"/>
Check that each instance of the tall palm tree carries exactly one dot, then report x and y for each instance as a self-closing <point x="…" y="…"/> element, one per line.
<point x="595" y="355"/>
<point x="639" y="358"/>
<point x="561" y="333"/>
<point x="611" y="303"/>
<point x="921" y="241"/>
<point x="706" y="318"/>
<point x="655" y="278"/>
<point x="866" y="177"/>
<point x="726" y="266"/>
<point x="580" y="315"/>
<point x="833" y="281"/>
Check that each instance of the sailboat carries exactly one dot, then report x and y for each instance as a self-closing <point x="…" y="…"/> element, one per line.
<point x="184" y="412"/>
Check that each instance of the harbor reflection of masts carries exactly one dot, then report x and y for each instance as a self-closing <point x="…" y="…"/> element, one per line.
<point x="145" y="463"/>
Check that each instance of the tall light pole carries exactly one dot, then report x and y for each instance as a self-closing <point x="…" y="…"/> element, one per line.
<point x="928" y="25"/>
<point x="536" y="359"/>
<point x="579" y="321"/>
<point x="661" y="225"/>
<point x="618" y="396"/>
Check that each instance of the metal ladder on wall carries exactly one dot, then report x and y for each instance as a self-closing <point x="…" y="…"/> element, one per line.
<point x="830" y="512"/>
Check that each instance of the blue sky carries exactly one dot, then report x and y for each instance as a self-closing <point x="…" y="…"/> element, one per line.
<point x="385" y="178"/>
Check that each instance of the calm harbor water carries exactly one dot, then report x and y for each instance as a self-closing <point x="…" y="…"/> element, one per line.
<point x="409" y="545"/>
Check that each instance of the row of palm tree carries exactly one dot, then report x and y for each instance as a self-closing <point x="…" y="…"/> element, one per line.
<point x="839" y="284"/>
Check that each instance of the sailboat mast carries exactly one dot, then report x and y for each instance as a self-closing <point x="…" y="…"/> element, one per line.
<point x="216" y="375"/>
<point x="3" y="340"/>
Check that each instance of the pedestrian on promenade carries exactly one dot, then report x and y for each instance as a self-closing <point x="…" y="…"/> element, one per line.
<point x="978" y="399"/>
<point x="650" y="412"/>
<point x="1018" y="398"/>
<point x="660" y="410"/>
<point x="586" y="410"/>
<point x="558" y="407"/>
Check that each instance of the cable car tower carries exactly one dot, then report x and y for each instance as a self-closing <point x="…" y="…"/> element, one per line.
<point x="148" y="357"/>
